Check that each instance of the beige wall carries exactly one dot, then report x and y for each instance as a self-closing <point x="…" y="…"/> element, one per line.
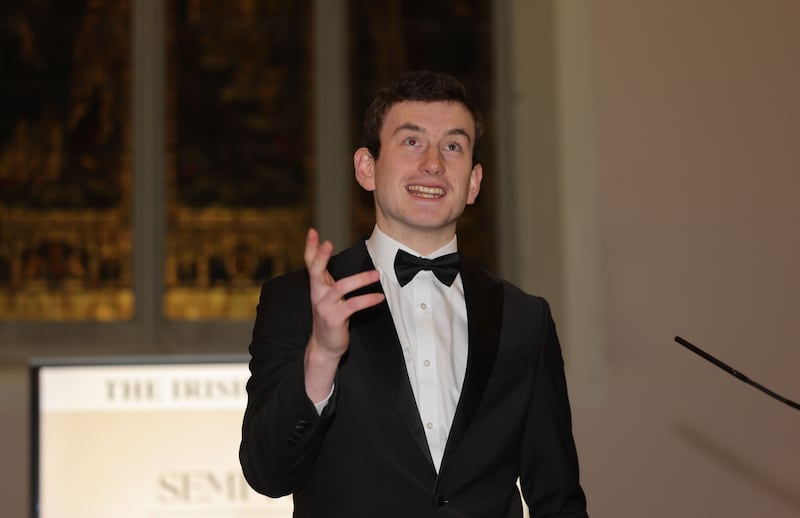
<point x="663" y="193"/>
<point x="697" y="126"/>
<point x="676" y="177"/>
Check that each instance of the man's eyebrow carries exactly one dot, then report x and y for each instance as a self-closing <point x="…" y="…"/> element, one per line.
<point x="407" y="126"/>
<point x="413" y="127"/>
<point x="460" y="131"/>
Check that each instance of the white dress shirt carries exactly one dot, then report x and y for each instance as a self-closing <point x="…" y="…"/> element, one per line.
<point x="431" y="323"/>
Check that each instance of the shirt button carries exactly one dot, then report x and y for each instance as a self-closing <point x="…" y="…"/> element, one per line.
<point x="426" y="363"/>
<point x="423" y="306"/>
<point x="430" y="426"/>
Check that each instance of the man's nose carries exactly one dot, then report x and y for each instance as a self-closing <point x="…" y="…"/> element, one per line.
<point x="432" y="162"/>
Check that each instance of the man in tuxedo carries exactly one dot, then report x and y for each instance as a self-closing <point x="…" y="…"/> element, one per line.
<point x="397" y="379"/>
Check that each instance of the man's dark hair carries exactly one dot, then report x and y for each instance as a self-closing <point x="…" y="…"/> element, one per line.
<point x="421" y="86"/>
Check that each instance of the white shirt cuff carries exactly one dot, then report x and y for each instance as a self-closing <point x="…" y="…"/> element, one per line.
<point x="322" y="404"/>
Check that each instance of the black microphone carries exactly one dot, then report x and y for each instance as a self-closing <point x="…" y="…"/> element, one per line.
<point x="736" y="374"/>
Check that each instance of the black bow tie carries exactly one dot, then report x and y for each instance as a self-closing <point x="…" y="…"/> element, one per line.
<point x="445" y="268"/>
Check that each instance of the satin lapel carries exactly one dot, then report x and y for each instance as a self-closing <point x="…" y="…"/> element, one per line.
<point x="373" y="329"/>
<point x="484" y="300"/>
<point x="378" y="336"/>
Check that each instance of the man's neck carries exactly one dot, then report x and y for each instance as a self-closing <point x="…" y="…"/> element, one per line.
<point x="424" y="243"/>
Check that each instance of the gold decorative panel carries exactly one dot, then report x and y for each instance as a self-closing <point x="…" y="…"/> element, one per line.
<point x="65" y="186"/>
<point x="239" y="187"/>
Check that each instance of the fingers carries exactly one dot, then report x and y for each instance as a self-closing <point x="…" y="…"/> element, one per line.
<point x="323" y="288"/>
<point x="336" y="316"/>
<point x="331" y="320"/>
<point x="312" y="243"/>
<point x="331" y="309"/>
<point x="347" y="284"/>
<point x="335" y="296"/>
<point x="316" y="254"/>
<point x="316" y="257"/>
<point x="356" y="304"/>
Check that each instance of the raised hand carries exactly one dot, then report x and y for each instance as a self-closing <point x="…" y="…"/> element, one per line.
<point x="331" y="313"/>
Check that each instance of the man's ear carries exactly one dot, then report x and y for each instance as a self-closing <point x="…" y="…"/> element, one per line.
<point x="365" y="168"/>
<point x="475" y="177"/>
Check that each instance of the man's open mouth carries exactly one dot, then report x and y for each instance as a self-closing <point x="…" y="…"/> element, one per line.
<point x="425" y="192"/>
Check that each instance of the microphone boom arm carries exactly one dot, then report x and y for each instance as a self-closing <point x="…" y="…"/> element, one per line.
<point x="736" y="374"/>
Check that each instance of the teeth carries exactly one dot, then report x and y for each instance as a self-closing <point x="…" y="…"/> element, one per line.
<point x="426" y="192"/>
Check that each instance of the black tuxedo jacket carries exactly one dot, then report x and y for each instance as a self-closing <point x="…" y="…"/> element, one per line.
<point x="367" y="456"/>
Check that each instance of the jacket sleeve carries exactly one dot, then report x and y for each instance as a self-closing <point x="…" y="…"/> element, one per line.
<point x="281" y="430"/>
<point x="549" y="474"/>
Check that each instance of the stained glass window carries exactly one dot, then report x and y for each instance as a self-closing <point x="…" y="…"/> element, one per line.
<point x="65" y="232"/>
<point x="238" y="170"/>
<point x="240" y="152"/>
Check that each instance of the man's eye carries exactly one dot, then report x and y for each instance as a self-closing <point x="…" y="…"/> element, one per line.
<point x="411" y="141"/>
<point x="453" y="147"/>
